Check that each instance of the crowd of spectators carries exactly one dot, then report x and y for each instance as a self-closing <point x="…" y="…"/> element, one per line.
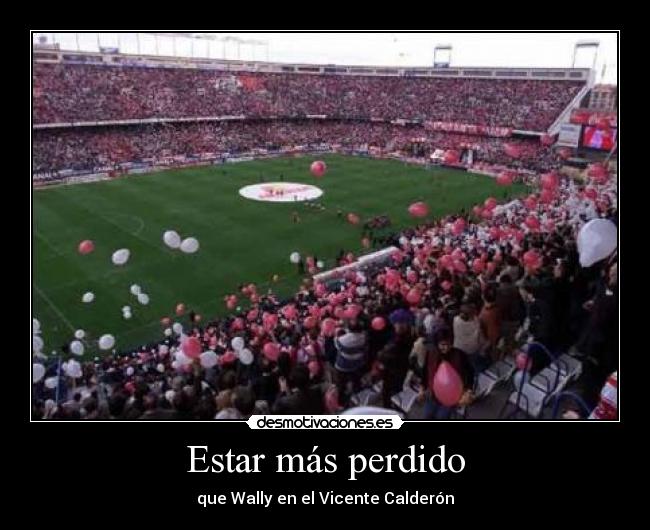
<point x="477" y="296"/>
<point x="81" y="92"/>
<point x="90" y="148"/>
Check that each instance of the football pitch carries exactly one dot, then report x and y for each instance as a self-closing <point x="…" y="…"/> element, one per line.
<point x="241" y="240"/>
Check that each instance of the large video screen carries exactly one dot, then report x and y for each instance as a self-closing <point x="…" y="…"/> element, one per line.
<point x="599" y="138"/>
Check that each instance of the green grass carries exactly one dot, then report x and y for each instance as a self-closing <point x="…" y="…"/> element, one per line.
<point x="241" y="240"/>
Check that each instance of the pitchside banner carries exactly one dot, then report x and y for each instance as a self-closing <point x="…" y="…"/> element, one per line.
<point x="569" y="135"/>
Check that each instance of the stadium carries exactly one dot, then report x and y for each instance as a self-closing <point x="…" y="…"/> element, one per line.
<point x="215" y="237"/>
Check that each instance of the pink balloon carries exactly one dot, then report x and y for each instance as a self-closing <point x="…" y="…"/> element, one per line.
<point x="490" y="203"/>
<point x="318" y="168"/>
<point x="419" y="209"/>
<point x="252" y="315"/>
<point x="547" y="196"/>
<point x="237" y="324"/>
<point x="271" y="351"/>
<point x="459" y="266"/>
<point x="451" y="156"/>
<point x="591" y="193"/>
<point x="532" y="222"/>
<point x="447" y="385"/>
<point x="512" y="150"/>
<point x="549" y="181"/>
<point x="378" y="323"/>
<point x="458" y="227"/>
<point x="321" y="290"/>
<point x="413" y="297"/>
<point x="310" y="322"/>
<point x="290" y="312"/>
<point x="504" y="178"/>
<point x="478" y="266"/>
<point x="532" y="259"/>
<point x="86" y="246"/>
<point x="192" y="347"/>
<point x="530" y="202"/>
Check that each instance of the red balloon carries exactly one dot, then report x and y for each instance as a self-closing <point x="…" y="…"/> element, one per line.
<point x="512" y="150"/>
<point x="451" y="157"/>
<point x="547" y="196"/>
<point x="378" y="323"/>
<point x="532" y="222"/>
<point x="290" y="312"/>
<point x="478" y="266"/>
<point x="353" y="218"/>
<point x="321" y="290"/>
<point x="192" y="347"/>
<point x="327" y="327"/>
<point x="549" y="181"/>
<point x="459" y="266"/>
<point x="271" y="351"/>
<point x="490" y="203"/>
<point x="180" y="309"/>
<point x="458" y="227"/>
<point x="530" y="202"/>
<point x="318" y="168"/>
<point x="591" y="193"/>
<point x="419" y="209"/>
<point x="237" y="324"/>
<point x="532" y="259"/>
<point x="413" y="297"/>
<point x="504" y="178"/>
<point x="447" y="385"/>
<point x="86" y="246"/>
<point x="252" y="315"/>
<point x="495" y="233"/>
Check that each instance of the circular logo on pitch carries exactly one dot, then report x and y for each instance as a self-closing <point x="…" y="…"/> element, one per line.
<point x="281" y="192"/>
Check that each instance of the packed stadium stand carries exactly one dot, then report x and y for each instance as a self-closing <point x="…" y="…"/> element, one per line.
<point x="488" y="282"/>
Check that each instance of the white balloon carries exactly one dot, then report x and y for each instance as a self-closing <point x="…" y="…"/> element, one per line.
<point x="160" y="367"/>
<point x="167" y="332"/>
<point x="143" y="298"/>
<point x="87" y="297"/>
<point x="597" y="240"/>
<point x="127" y="315"/>
<point x="135" y="289"/>
<point x="77" y="347"/>
<point x="121" y="256"/>
<point x="176" y="365"/>
<point x="126" y="309"/>
<point x="51" y="382"/>
<point x="172" y="239"/>
<point x="106" y="342"/>
<point x="38" y="371"/>
<point x="237" y="343"/>
<point x="37" y="344"/>
<point x="208" y="359"/>
<point x="178" y="328"/>
<point x="169" y="395"/>
<point x="182" y="359"/>
<point x="189" y="245"/>
<point x="73" y="369"/>
<point x="294" y="257"/>
<point x="129" y="371"/>
<point x="79" y="334"/>
<point x="320" y="264"/>
<point x="36" y="326"/>
<point x="245" y="356"/>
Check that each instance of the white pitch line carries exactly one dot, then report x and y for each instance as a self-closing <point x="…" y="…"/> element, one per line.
<point x="54" y="308"/>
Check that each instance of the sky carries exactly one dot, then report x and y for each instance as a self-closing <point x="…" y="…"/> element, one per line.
<point x="382" y="49"/>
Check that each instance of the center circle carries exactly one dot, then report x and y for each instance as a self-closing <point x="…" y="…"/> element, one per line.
<point x="281" y="192"/>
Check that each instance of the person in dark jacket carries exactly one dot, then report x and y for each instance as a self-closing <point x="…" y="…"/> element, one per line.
<point x="394" y="357"/>
<point x="511" y="311"/>
<point x="298" y="396"/>
<point x="439" y="350"/>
